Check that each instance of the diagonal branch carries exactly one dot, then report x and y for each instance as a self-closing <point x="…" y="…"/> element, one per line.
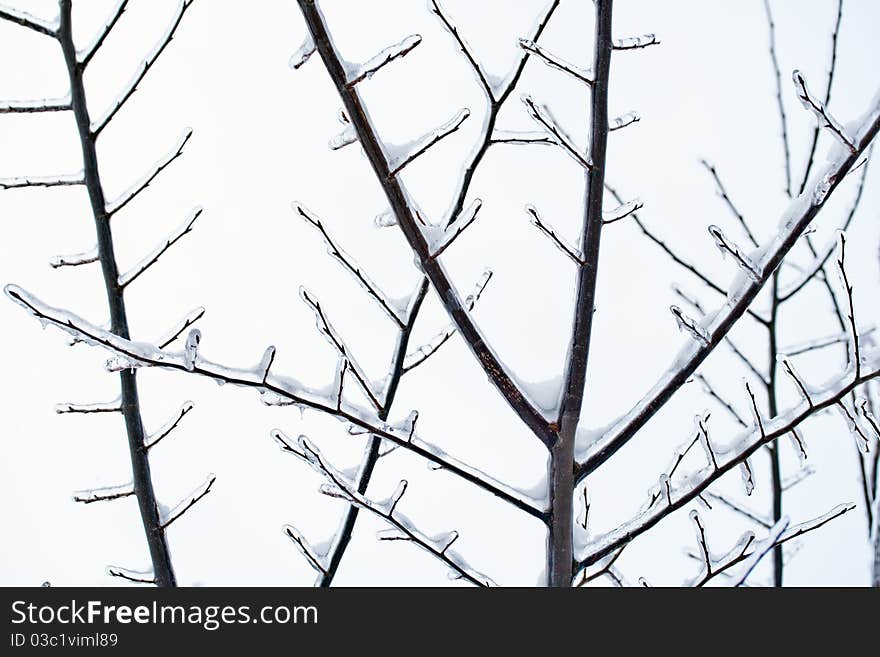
<point x="29" y="21"/>
<point x="101" y="36"/>
<point x="152" y="258"/>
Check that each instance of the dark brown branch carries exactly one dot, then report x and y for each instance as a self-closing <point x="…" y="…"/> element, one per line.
<point x="92" y="50"/>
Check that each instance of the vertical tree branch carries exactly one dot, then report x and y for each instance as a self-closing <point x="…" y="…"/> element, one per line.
<point x="140" y="464"/>
<point x="560" y="557"/>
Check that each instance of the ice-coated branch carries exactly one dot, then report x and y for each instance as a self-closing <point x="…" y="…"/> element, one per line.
<point x="98" y="126"/>
<point x="780" y="104"/>
<point x="725" y="404"/>
<point x="114" y="406"/>
<point x="63" y="180"/>
<point x="325" y="328"/>
<point x="402" y="206"/>
<point x="451" y="232"/>
<point x="150" y="259"/>
<point x="722" y="192"/>
<point x="315" y="559"/>
<point x="419" y="355"/>
<point x="819" y="111"/>
<point x="558" y="241"/>
<point x="282" y="388"/>
<point x="86" y="55"/>
<point x="821" y="343"/>
<point x="622" y="211"/>
<point x="728" y="247"/>
<point x="132" y="192"/>
<point x="729" y="458"/>
<point x="74" y="259"/>
<point x="542" y="116"/>
<point x="403" y="156"/>
<point x="190" y="501"/>
<point x="34" y="106"/>
<point x="496" y="99"/>
<point x="162" y="432"/>
<point x="465" y="48"/>
<point x="105" y="494"/>
<point x="637" y="42"/>
<point x="623" y="121"/>
<point x="816" y="269"/>
<point x="177" y="330"/>
<point x="134" y="576"/>
<point x="340" y="486"/>
<point x="851" y="314"/>
<point x="29" y="21"/>
<point x="349" y="264"/>
<point x="554" y="61"/>
<point x="677" y="259"/>
<point x="689" y="325"/>
<point x="738" y="508"/>
<point x="832" y="67"/>
<point x="799" y="215"/>
<point x="388" y="55"/>
<point x="522" y="138"/>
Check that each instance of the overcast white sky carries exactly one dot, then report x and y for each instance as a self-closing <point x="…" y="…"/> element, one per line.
<point x="260" y="141"/>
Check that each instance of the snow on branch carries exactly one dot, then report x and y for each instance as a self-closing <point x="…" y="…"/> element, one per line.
<point x="129" y="195"/>
<point x="690" y="325"/>
<point x="85" y="56"/>
<point x="339" y="486"/>
<point x="69" y="408"/>
<point x="624" y="120"/>
<point x="560" y="243"/>
<point x="105" y="494"/>
<point x="447" y="235"/>
<point x="177" y="330"/>
<point x="316" y="559"/>
<point x="542" y="116"/>
<point x="729" y="457"/>
<point x="819" y="111"/>
<point x="728" y="247"/>
<point x="421" y="354"/>
<point x="63" y="180"/>
<point x="337" y="253"/>
<point x="149" y="260"/>
<point x="521" y="138"/>
<point x="156" y="437"/>
<point x="190" y="501"/>
<point x="401" y="156"/>
<point x="325" y="328"/>
<point x="476" y="66"/>
<point x="636" y="43"/>
<point x="74" y="259"/>
<point x="303" y="53"/>
<point x="397" y="51"/>
<point x="49" y="28"/>
<point x="282" y="388"/>
<point x="553" y="61"/>
<point x="98" y="126"/>
<point x="797" y="218"/>
<point x="34" y="106"/>
<point x="135" y="576"/>
<point x="622" y="211"/>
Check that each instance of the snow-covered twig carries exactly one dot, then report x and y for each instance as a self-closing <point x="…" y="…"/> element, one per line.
<point x="132" y="192"/>
<point x="637" y="42"/>
<point x="114" y="406"/>
<point x="348" y="263"/>
<point x="150" y="259"/>
<point x="98" y="126"/>
<point x="63" y="180"/>
<point x="86" y="55"/>
<point x="542" y="116"/>
<point x="457" y="227"/>
<point x="622" y="211"/>
<point x="191" y="500"/>
<point x="553" y="61"/>
<point x="156" y="437"/>
<point x="819" y="111"/>
<point x="29" y="21"/>
<point x="623" y="121"/>
<point x="558" y="242"/>
<point x="135" y="576"/>
<point x="177" y="330"/>
<point x="405" y="155"/>
<point x="34" y="106"/>
<point x="105" y="494"/>
<point x="388" y="55"/>
<point x="74" y="259"/>
<point x="728" y="247"/>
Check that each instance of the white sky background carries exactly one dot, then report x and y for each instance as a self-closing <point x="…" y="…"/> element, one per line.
<point x="260" y="141"/>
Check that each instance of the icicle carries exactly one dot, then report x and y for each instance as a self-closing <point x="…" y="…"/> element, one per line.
<point x="409" y="424"/>
<point x="266" y="361"/>
<point x="302" y="55"/>
<point x="191" y="349"/>
<point x="690" y="326"/>
<point x="822" y="189"/>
